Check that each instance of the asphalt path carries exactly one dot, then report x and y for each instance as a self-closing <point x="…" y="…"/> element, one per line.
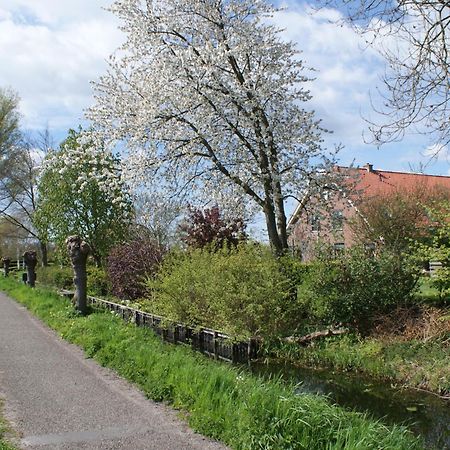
<point x="55" y="398"/>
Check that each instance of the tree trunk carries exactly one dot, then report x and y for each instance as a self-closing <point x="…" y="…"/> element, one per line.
<point x="304" y="340"/>
<point x="30" y="259"/>
<point x="271" y="224"/>
<point x="6" y="262"/>
<point x="78" y="252"/>
<point x="281" y="216"/>
<point x="44" y="253"/>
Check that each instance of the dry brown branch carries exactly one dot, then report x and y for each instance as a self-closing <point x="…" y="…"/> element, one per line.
<point x="304" y="340"/>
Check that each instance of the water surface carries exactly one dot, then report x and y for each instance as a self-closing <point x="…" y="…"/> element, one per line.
<point x="423" y="413"/>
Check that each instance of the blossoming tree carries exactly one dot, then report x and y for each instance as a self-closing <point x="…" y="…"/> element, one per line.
<point x="208" y="98"/>
<point x="81" y="192"/>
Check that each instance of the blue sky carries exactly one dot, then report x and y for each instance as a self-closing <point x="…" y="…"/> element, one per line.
<point x="50" y="50"/>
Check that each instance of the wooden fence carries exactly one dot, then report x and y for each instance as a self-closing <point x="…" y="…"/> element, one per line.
<point x="212" y="343"/>
<point x="15" y="265"/>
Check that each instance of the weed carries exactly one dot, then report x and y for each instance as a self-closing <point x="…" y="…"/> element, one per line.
<point x="4" y="444"/>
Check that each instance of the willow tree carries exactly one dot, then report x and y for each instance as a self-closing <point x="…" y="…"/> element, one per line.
<point x="208" y="96"/>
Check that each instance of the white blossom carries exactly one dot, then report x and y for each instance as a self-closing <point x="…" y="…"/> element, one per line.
<point x="208" y="99"/>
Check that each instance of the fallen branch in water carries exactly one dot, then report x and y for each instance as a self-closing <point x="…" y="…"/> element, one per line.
<point x="443" y="397"/>
<point x="303" y="340"/>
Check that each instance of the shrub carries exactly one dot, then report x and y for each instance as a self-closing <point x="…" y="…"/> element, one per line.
<point x="242" y="291"/>
<point x="97" y="281"/>
<point x="438" y="247"/>
<point x="352" y="286"/>
<point x="207" y="227"/>
<point x="130" y="263"/>
<point x="295" y="270"/>
<point x="57" y="276"/>
<point x="62" y="278"/>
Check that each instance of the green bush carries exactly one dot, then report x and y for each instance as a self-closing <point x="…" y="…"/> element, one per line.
<point x="57" y="276"/>
<point x="62" y="278"/>
<point x="352" y="286"/>
<point x="97" y="281"/>
<point x="243" y="291"/>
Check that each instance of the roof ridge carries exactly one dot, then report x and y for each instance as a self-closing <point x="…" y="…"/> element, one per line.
<point x="395" y="171"/>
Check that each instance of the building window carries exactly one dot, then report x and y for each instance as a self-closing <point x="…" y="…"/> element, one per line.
<point x="339" y="247"/>
<point x="337" y="220"/>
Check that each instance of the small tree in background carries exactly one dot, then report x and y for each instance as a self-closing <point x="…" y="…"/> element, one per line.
<point x="19" y="169"/>
<point x="205" y="227"/>
<point x="130" y="263"/>
<point x="438" y="248"/>
<point x="396" y="219"/>
<point x="10" y="135"/>
<point x="81" y="192"/>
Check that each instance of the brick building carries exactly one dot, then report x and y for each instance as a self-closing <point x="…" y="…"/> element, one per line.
<point x="326" y="219"/>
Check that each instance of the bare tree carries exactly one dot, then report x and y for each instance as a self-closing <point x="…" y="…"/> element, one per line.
<point x="396" y="220"/>
<point x="18" y="188"/>
<point x="414" y="38"/>
<point x="19" y="161"/>
<point x="10" y="135"/>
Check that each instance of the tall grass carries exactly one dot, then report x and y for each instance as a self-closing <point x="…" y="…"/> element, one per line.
<point x="417" y="363"/>
<point x="221" y="401"/>
<point x="4" y="444"/>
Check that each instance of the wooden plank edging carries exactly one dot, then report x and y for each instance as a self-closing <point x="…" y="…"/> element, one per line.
<point x="212" y="343"/>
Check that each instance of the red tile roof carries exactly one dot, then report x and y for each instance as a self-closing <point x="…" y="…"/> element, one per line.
<point x="375" y="182"/>
<point x="368" y="182"/>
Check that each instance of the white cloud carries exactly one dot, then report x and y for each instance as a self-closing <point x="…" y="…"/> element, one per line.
<point x="346" y="69"/>
<point x="49" y="52"/>
<point x="54" y="13"/>
<point x="437" y="152"/>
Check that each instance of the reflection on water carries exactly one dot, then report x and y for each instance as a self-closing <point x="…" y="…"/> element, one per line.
<point x="425" y="414"/>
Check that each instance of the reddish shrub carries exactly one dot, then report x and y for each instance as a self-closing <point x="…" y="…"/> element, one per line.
<point x="128" y="265"/>
<point x="204" y="227"/>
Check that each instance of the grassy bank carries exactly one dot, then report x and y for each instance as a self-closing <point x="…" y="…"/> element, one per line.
<point x="218" y="400"/>
<point x="415" y="363"/>
<point x="410" y="345"/>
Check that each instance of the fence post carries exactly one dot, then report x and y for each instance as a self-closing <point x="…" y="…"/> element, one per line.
<point x="201" y="338"/>
<point x="216" y="345"/>
<point x="252" y="349"/>
<point x="6" y="262"/>
<point x="234" y="353"/>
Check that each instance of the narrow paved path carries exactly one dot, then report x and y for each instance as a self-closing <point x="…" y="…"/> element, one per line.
<point x="57" y="399"/>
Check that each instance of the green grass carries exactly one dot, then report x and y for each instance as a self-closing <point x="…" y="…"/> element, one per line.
<point x="414" y="363"/>
<point x="429" y="295"/>
<point x="4" y="444"/>
<point x="218" y="400"/>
